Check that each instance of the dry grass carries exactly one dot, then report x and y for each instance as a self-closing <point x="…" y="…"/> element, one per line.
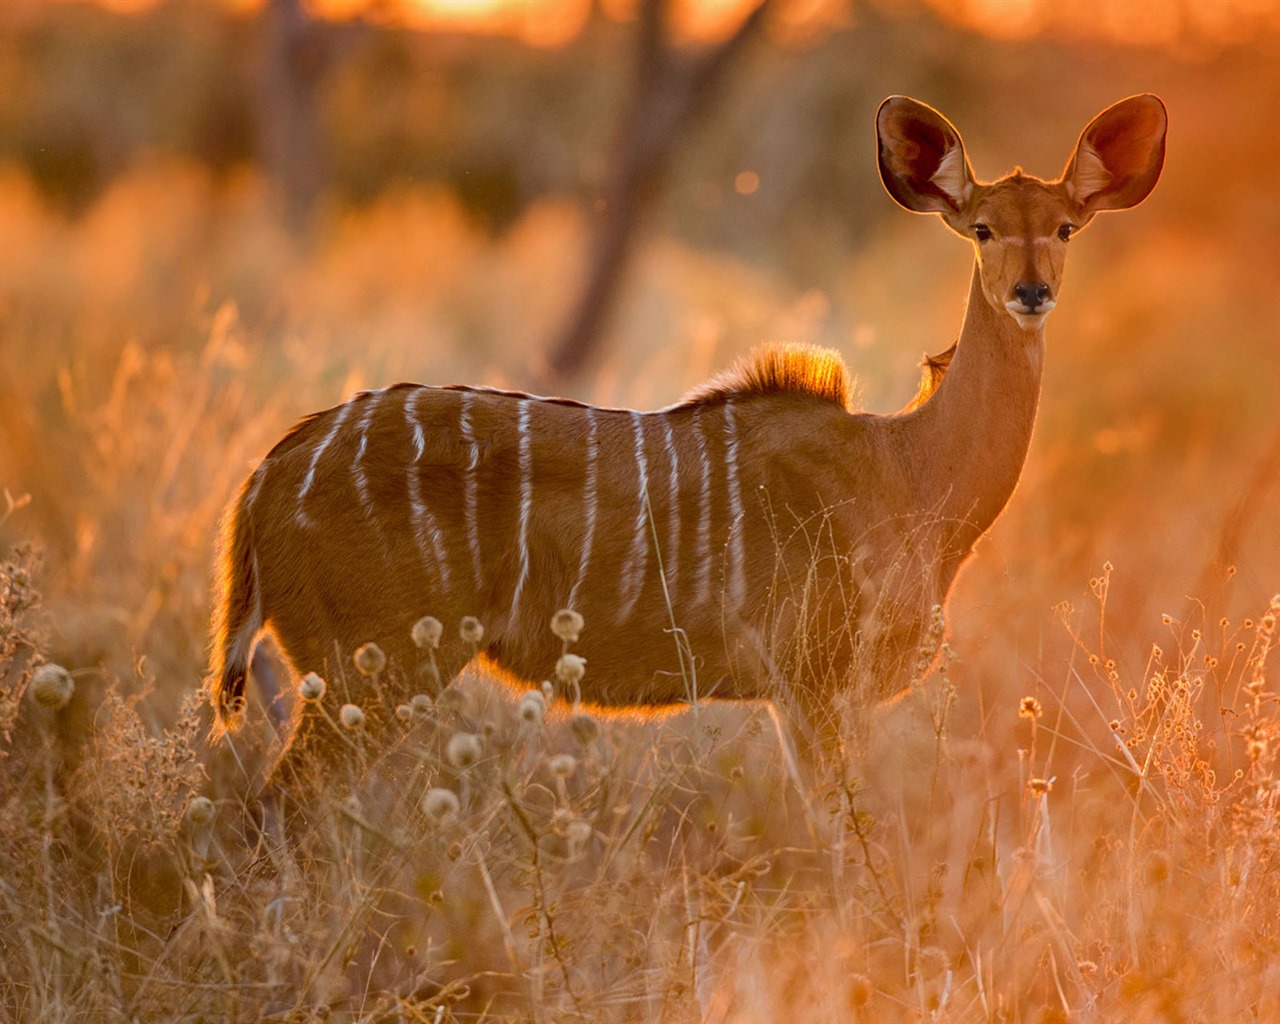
<point x="1072" y="818"/>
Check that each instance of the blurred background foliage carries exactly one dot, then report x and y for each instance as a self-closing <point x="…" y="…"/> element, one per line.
<point x="183" y="271"/>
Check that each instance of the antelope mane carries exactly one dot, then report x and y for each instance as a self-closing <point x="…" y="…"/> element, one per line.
<point x="782" y="369"/>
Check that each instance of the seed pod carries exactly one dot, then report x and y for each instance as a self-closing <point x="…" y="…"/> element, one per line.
<point x="454" y="698"/>
<point x="585" y="728"/>
<point x="427" y="632"/>
<point x="440" y="804"/>
<point x="464" y="749"/>
<point x="52" y="686"/>
<point x="312" y="687"/>
<point x="351" y="716"/>
<point x="532" y="707"/>
<point x="562" y="765"/>
<point x="369" y="659"/>
<point x="200" y="811"/>
<point x="571" y="668"/>
<point x="470" y="629"/>
<point x="567" y="625"/>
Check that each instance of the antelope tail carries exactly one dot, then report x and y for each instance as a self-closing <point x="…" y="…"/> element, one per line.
<point x="237" y="619"/>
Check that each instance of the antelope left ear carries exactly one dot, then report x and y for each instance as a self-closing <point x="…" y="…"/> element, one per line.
<point x="1118" y="159"/>
<point x="922" y="161"/>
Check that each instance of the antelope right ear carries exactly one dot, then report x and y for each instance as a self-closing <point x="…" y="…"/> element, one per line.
<point x="922" y="160"/>
<point x="1118" y="159"/>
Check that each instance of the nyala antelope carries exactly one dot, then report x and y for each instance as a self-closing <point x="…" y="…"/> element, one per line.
<point x="758" y="539"/>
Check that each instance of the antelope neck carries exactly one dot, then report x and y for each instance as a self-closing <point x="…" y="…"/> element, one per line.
<point x="974" y="432"/>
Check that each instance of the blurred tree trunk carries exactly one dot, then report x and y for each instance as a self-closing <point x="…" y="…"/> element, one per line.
<point x="296" y="56"/>
<point x="670" y="92"/>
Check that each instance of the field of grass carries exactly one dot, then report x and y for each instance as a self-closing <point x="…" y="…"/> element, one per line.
<point x="1075" y="818"/>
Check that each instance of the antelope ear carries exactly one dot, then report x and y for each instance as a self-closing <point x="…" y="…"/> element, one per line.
<point x="922" y="160"/>
<point x="1118" y="159"/>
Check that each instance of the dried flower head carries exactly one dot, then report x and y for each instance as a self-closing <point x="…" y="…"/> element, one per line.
<point x="571" y="668"/>
<point x="1029" y="707"/>
<point x="440" y="804"/>
<point x="567" y="625"/>
<point x="470" y="629"/>
<point x="562" y="765"/>
<point x="454" y="698"/>
<point x="312" y="687"/>
<point x="420" y="705"/>
<point x="369" y="659"/>
<point x="464" y="749"/>
<point x="427" y="632"/>
<point x="533" y="707"/>
<point x="351" y="716"/>
<point x="200" y="811"/>
<point x="585" y="728"/>
<point x="52" y="686"/>
<point x="1040" y="787"/>
<point x="404" y="713"/>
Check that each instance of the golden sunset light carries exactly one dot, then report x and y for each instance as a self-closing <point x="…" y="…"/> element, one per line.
<point x="610" y="511"/>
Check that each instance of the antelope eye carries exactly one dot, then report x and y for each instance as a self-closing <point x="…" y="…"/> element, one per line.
<point x="1066" y="231"/>
<point x="982" y="233"/>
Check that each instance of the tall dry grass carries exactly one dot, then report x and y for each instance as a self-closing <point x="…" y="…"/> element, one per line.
<point x="1073" y="818"/>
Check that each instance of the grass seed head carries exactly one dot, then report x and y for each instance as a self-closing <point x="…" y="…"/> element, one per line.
<point x="562" y="765"/>
<point x="571" y="668"/>
<point x="585" y="728"/>
<point x="464" y="749"/>
<point x="440" y="804"/>
<point x="470" y="629"/>
<point x="533" y="707"/>
<point x="567" y="625"/>
<point x="454" y="698"/>
<point x="351" y="716"/>
<point x="52" y="686"/>
<point x="312" y="687"/>
<point x="200" y="811"/>
<point x="427" y="632"/>
<point x="369" y="659"/>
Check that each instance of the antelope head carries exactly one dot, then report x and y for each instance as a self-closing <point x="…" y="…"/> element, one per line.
<point x="1020" y="225"/>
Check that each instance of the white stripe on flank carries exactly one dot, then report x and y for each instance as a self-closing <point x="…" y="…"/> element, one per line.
<point x="424" y="523"/>
<point x="526" y="503"/>
<point x="251" y="495"/>
<point x="358" y="475"/>
<point x="469" y="489"/>
<point x="633" y="572"/>
<point x="704" y="514"/>
<point x="309" y="480"/>
<point x="671" y="557"/>
<point x="736" y="581"/>
<point x="589" y="505"/>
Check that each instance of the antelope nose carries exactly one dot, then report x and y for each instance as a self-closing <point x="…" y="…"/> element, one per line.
<point x="1031" y="294"/>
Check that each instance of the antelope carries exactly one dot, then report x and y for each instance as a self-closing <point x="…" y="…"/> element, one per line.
<point x="759" y="539"/>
